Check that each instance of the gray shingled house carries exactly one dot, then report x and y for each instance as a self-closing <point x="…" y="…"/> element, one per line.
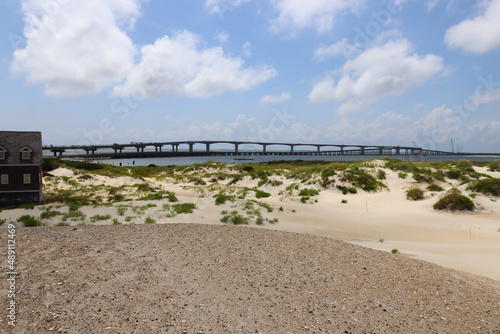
<point x="20" y="167"/>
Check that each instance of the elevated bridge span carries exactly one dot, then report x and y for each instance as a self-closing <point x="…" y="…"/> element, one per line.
<point x="192" y="148"/>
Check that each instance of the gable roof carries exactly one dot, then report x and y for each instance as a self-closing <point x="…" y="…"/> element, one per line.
<point x="19" y="141"/>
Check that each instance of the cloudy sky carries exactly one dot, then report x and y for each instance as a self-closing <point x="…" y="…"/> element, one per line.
<point x="393" y="72"/>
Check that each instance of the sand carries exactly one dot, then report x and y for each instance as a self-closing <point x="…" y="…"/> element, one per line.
<point x="309" y="272"/>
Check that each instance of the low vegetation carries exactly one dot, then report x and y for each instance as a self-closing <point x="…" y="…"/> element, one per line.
<point x="453" y="200"/>
<point x="415" y="194"/>
<point x="488" y="186"/>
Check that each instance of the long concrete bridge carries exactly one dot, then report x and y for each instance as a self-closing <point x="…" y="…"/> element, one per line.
<point x="192" y="148"/>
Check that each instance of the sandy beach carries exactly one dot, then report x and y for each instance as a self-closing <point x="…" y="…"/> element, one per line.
<point x="299" y="269"/>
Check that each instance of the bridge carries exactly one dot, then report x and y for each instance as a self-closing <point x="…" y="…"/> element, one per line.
<point x="192" y="148"/>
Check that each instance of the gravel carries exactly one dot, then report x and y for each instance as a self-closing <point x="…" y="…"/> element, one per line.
<point x="190" y="278"/>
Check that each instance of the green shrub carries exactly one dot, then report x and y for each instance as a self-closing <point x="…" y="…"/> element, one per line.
<point x="116" y="222"/>
<point x="27" y="206"/>
<point x="2" y="221"/>
<point x="434" y="187"/>
<point x="362" y="179"/>
<point x="235" y="179"/>
<point x="259" y="221"/>
<point x="395" y="251"/>
<point x="304" y="199"/>
<point x="415" y="194"/>
<point x="221" y="199"/>
<point x="309" y="192"/>
<point x="402" y="175"/>
<point x="453" y="200"/>
<point x="487" y="186"/>
<point x="345" y="190"/>
<point x="84" y="165"/>
<point x="472" y="196"/>
<point x="184" y="208"/>
<point x="62" y="224"/>
<point x="49" y="214"/>
<point x="344" y="201"/>
<point x="239" y="219"/>
<point x="95" y="218"/>
<point x="143" y="187"/>
<point x="149" y="220"/>
<point x="381" y="174"/>
<point x="121" y="210"/>
<point x="494" y="166"/>
<point x="261" y="194"/>
<point x="453" y="174"/>
<point x="171" y="197"/>
<point x="29" y="221"/>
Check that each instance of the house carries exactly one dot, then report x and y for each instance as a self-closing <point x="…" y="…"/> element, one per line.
<point x="20" y="167"/>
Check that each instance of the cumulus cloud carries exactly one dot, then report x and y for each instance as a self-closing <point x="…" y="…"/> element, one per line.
<point x="177" y="66"/>
<point x="76" y="48"/>
<point x="391" y="68"/>
<point x="295" y="15"/>
<point x="81" y="48"/>
<point x="479" y="34"/>
<point x="275" y="99"/>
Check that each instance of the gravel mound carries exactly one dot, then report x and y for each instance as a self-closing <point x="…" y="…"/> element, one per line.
<point x="189" y="278"/>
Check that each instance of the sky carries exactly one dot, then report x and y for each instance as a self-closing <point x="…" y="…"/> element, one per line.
<point x="394" y="72"/>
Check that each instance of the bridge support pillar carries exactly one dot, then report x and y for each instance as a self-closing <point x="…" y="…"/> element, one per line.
<point x="291" y="148"/>
<point x="191" y="148"/>
<point x="342" y="150"/>
<point x="208" y="148"/>
<point x="264" y="148"/>
<point x="236" y="148"/>
<point x="362" y="150"/>
<point x="381" y="151"/>
<point x="319" y="149"/>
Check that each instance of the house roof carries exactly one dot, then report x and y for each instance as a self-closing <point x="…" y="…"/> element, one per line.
<point x="16" y="141"/>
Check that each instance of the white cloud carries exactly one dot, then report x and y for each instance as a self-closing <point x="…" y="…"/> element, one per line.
<point x="222" y="37"/>
<point x="246" y="49"/>
<point x="219" y="7"/>
<point x="391" y="68"/>
<point x="176" y="66"/>
<point x="275" y="99"/>
<point x="479" y="34"/>
<point x="76" y="48"/>
<point x="295" y="15"/>
<point x="431" y="4"/>
<point x="342" y="47"/>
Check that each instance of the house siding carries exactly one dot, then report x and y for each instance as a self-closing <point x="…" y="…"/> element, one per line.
<point x="16" y="191"/>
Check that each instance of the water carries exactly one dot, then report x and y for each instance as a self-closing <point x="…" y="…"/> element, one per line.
<point x="183" y="161"/>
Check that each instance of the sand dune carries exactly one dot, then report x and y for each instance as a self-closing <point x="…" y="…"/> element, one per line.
<point x="210" y="277"/>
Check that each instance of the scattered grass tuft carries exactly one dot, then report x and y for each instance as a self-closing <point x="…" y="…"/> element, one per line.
<point x="29" y="221"/>
<point x="184" y="208"/>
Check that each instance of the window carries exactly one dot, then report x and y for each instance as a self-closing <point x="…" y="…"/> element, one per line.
<point x="27" y="178"/>
<point x="3" y="153"/>
<point x="4" y="179"/>
<point x="26" y="153"/>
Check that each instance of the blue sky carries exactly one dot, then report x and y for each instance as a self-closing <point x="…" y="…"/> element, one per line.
<point x="393" y="72"/>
